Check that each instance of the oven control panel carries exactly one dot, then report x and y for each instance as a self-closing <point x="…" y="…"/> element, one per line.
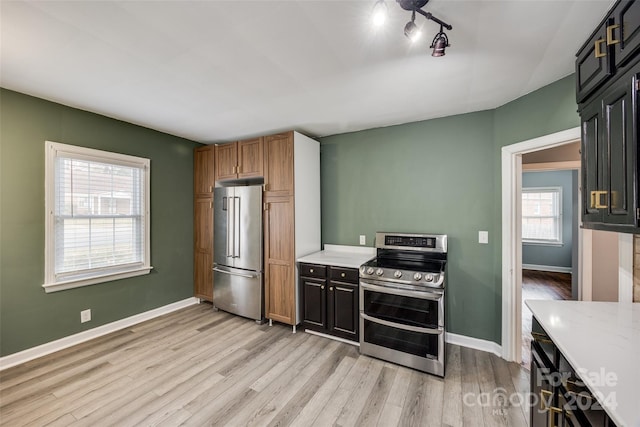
<point x="412" y="242"/>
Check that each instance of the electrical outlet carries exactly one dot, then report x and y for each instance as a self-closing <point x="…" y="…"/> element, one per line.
<point x="363" y="239"/>
<point x="85" y="316"/>
<point x="483" y="237"/>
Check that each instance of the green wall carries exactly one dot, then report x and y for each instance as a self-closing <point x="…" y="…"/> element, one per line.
<point x="440" y="176"/>
<point x="29" y="316"/>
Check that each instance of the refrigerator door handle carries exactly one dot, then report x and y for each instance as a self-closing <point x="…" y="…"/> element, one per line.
<point x="230" y="228"/>
<point x="237" y="229"/>
<point x="248" y="276"/>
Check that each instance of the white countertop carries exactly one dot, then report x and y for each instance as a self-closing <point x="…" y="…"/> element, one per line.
<point x="601" y="340"/>
<point x="340" y="256"/>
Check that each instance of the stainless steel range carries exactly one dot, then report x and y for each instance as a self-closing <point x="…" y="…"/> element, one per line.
<point x="402" y="301"/>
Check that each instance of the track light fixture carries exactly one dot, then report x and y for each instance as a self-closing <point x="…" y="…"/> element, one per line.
<point x="411" y="30"/>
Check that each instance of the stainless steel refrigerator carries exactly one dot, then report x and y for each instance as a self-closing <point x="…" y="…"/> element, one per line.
<point x="237" y="247"/>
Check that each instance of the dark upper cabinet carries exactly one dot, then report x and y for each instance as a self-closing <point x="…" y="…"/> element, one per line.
<point x="619" y="116"/>
<point x="624" y="34"/>
<point x="591" y="157"/>
<point x="608" y="68"/>
<point x="330" y="300"/>
<point x="593" y="63"/>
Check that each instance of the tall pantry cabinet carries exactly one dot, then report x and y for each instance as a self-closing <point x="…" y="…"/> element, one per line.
<point x="288" y="164"/>
<point x="291" y="219"/>
<point x="203" y="183"/>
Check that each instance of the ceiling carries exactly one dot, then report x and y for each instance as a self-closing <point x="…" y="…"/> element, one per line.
<point x="216" y="71"/>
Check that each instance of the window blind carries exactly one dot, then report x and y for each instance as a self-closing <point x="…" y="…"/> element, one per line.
<point x="99" y="216"/>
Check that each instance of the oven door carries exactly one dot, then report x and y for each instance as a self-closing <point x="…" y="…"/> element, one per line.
<point x="403" y="326"/>
<point x="403" y="305"/>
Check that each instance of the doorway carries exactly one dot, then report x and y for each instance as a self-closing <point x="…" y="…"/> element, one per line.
<point x="512" y="236"/>
<point x="549" y="216"/>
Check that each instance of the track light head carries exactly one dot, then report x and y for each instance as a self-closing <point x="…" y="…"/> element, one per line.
<point x="411" y="30"/>
<point x="439" y="43"/>
<point x="379" y="13"/>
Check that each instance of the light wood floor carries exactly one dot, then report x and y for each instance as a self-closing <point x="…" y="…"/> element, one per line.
<point x="198" y="367"/>
<point x="540" y="285"/>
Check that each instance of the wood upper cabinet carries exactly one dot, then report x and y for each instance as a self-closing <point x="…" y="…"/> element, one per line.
<point x="203" y="170"/>
<point x="278" y="164"/>
<point x="239" y="160"/>
<point x="204" y="178"/>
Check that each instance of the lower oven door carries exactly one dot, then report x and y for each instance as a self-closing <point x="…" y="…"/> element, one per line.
<point x="402" y="326"/>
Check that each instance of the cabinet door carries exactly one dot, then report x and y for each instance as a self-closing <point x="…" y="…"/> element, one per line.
<point x="280" y="303"/>
<point x="278" y="164"/>
<point x="203" y="248"/>
<point x="591" y="149"/>
<point x="593" y="63"/>
<point x="625" y="35"/>
<point x="226" y="161"/>
<point x="619" y="171"/>
<point x="343" y="309"/>
<point x="250" y="158"/>
<point x="539" y="415"/>
<point x="203" y="170"/>
<point x="314" y="301"/>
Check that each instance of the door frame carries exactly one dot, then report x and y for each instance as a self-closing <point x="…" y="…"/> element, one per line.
<point x="512" y="235"/>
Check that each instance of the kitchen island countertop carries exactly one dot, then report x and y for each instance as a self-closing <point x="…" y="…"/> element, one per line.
<point x="601" y="340"/>
<point x="340" y="256"/>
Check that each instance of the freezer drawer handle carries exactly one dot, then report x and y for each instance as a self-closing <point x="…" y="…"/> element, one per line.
<point x="248" y="276"/>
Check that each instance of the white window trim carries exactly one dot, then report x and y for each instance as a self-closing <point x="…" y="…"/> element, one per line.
<point x="546" y="242"/>
<point x="52" y="151"/>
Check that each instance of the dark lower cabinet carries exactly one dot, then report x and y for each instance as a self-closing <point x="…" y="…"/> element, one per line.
<point x="558" y="396"/>
<point x="330" y="300"/>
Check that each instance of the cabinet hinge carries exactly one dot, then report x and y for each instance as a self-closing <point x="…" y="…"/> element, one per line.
<point x="638" y="213"/>
<point x="638" y="84"/>
<point x="265" y="206"/>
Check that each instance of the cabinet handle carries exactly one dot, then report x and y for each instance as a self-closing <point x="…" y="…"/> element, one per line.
<point x="330" y="288"/>
<point x="553" y="410"/>
<point x="610" y="39"/>
<point x="211" y="189"/>
<point x="311" y="270"/>
<point x="596" y="198"/>
<point x="598" y="43"/>
<point x="543" y="407"/>
<point x="541" y="338"/>
<point x="342" y="275"/>
<point x="322" y="287"/>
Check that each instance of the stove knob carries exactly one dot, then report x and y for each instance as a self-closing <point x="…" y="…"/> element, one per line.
<point x="379" y="272"/>
<point x="370" y="270"/>
<point x="417" y="276"/>
<point x="397" y="274"/>
<point x="363" y="269"/>
<point x="428" y="277"/>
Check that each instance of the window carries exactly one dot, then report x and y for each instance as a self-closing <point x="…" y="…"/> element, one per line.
<point x="97" y="216"/>
<point x="542" y="215"/>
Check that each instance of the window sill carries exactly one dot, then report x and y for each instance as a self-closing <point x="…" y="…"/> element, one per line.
<point x="534" y="243"/>
<point x="77" y="283"/>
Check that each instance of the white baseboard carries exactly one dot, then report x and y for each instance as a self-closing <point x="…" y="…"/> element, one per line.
<point x="62" y="343"/>
<point x="475" y="343"/>
<point x="550" y="268"/>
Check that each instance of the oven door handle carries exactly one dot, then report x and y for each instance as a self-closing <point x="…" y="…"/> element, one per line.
<point x="431" y="331"/>
<point x="433" y="296"/>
